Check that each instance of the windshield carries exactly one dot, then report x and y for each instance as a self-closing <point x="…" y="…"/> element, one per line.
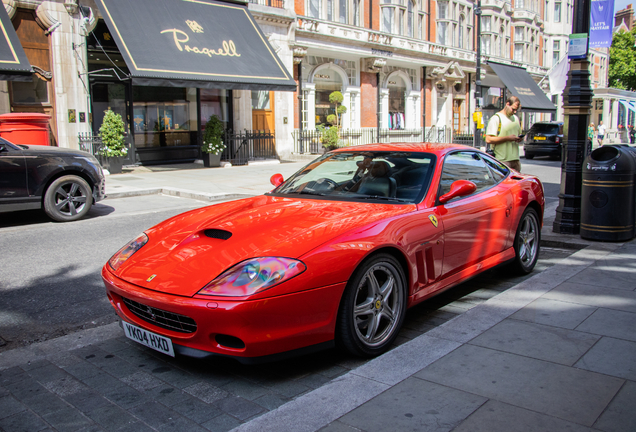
<point x="386" y="176"/>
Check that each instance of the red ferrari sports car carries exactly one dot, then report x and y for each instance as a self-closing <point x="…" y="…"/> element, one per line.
<point x="334" y="255"/>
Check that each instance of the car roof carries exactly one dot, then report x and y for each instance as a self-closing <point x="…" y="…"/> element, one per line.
<point x="435" y="148"/>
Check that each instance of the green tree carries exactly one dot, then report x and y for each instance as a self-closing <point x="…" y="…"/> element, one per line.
<point x="622" y="64"/>
<point x="112" y="134"/>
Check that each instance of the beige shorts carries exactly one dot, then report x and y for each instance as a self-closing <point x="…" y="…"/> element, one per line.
<point x="514" y="164"/>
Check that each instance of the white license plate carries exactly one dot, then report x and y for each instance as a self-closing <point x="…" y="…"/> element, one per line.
<point x="150" y="339"/>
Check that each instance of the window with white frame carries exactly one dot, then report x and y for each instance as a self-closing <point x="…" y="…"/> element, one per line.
<point x="518" y="52"/>
<point x="556" y="52"/>
<point x="409" y="19"/>
<point x="314" y="8"/>
<point x="421" y="18"/>
<point x="397" y="17"/>
<point x="485" y="45"/>
<point x="356" y="12"/>
<point x="497" y="46"/>
<point x="442" y="26"/>
<point x="460" y="32"/>
<point x="348" y="66"/>
<point x="557" y="12"/>
<point x="343" y="11"/>
<point x="442" y="32"/>
<point x="485" y="23"/>
<point x="442" y="10"/>
<point x="519" y="4"/>
<point x="519" y="33"/>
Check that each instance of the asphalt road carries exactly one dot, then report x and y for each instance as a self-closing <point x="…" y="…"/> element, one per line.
<point x="50" y="283"/>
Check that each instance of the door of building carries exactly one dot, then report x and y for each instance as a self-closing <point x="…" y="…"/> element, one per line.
<point x="36" y="96"/>
<point x="263" y="111"/>
<point x="457" y="119"/>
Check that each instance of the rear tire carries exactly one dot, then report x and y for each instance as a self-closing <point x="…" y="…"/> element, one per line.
<point x="527" y="242"/>
<point x="529" y="156"/>
<point x="373" y="307"/>
<point x="68" y="198"/>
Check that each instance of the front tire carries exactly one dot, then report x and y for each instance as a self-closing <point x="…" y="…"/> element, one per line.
<point x="68" y="198"/>
<point x="527" y="242"/>
<point x="373" y="307"/>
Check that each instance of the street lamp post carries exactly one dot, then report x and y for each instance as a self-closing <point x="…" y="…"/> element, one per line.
<point x="477" y="137"/>
<point x="577" y="102"/>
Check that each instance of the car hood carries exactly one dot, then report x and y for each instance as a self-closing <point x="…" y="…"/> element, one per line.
<point x="39" y="150"/>
<point x="186" y="252"/>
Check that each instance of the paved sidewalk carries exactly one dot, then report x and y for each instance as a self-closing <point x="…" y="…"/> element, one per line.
<point x="555" y="352"/>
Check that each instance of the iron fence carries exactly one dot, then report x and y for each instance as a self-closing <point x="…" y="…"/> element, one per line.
<point x="92" y="144"/>
<point x="310" y="141"/>
<point x="241" y="147"/>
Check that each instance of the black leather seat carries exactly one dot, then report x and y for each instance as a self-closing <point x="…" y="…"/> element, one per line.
<point x="377" y="181"/>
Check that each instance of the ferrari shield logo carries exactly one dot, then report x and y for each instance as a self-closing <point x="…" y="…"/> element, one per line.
<point x="154" y="275"/>
<point x="433" y="220"/>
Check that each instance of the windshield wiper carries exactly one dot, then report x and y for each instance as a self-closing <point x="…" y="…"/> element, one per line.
<point x="382" y="197"/>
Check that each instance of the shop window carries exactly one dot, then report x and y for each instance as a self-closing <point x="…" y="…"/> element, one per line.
<point x="164" y="116"/>
<point x="397" y="103"/>
<point x="327" y="81"/>
<point x="35" y="92"/>
<point x="214" y="102"/>
<point x="260" y="99"/>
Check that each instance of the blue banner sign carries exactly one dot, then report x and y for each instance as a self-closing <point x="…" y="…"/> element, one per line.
<point x="601" y="23"/>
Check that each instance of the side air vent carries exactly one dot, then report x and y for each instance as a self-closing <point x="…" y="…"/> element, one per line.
<point x="217" y="234"/>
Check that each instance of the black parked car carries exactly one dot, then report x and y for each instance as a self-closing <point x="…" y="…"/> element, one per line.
<point x="64" y="182"/>
<point x="544" y="139"/>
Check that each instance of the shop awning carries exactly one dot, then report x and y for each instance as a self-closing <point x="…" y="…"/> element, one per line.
<point x="14" y="65"/>
<point x="519" y="82"/>
<point x="194" y="43"/>
<point x="628" y="106"/>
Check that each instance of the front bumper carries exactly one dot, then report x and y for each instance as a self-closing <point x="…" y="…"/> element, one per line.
<point x="266" y="327"/>
<point x="543" y="149"/>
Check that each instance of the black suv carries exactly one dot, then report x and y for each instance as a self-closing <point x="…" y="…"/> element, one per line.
<point x="64" y="182"/>
<point x="544" y="139"/>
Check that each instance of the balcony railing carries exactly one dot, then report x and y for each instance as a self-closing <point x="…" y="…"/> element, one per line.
<point x="271" y="3"/>
<point x="310" y="141"/>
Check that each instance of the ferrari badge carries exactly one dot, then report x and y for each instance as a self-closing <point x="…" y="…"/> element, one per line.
<point x="154" y="275"/>
<point x="433" y="220"/>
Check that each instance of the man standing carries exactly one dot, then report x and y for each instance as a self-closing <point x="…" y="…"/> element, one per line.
<point x="503" y="134"/>
<point x="601" y="133"/>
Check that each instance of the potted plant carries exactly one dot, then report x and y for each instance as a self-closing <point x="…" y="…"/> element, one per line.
<point x="330" y="136"/>
<point x="213" y="142"/>
<point x="113" y="147"/>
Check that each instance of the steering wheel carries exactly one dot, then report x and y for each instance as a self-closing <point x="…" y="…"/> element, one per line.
<point x="324" y="184"/>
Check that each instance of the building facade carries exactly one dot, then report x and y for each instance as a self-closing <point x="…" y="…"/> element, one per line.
<point x="406" y="70"/>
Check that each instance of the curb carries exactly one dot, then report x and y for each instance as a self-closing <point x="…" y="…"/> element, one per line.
<point x="201" y="196"/>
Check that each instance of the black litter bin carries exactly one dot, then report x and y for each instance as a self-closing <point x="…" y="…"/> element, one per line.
<point x="608" y="199"/>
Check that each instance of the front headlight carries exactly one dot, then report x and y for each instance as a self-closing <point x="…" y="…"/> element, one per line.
<point x="254" y="275"/>
<point x="127" y="251"/>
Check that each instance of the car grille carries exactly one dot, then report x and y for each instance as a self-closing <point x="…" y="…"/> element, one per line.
<point x="161" y="318"/>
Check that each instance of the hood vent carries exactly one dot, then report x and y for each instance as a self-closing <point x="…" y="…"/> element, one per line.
<point x="217" y="233"/>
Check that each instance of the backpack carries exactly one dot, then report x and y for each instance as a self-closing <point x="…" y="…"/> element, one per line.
<point x="490" y="150"/>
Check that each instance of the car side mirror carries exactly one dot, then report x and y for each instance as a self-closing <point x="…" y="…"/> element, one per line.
<point x="276" y="180"/>
<point x="2" y="148"/>
<point x="459" y="188"/>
